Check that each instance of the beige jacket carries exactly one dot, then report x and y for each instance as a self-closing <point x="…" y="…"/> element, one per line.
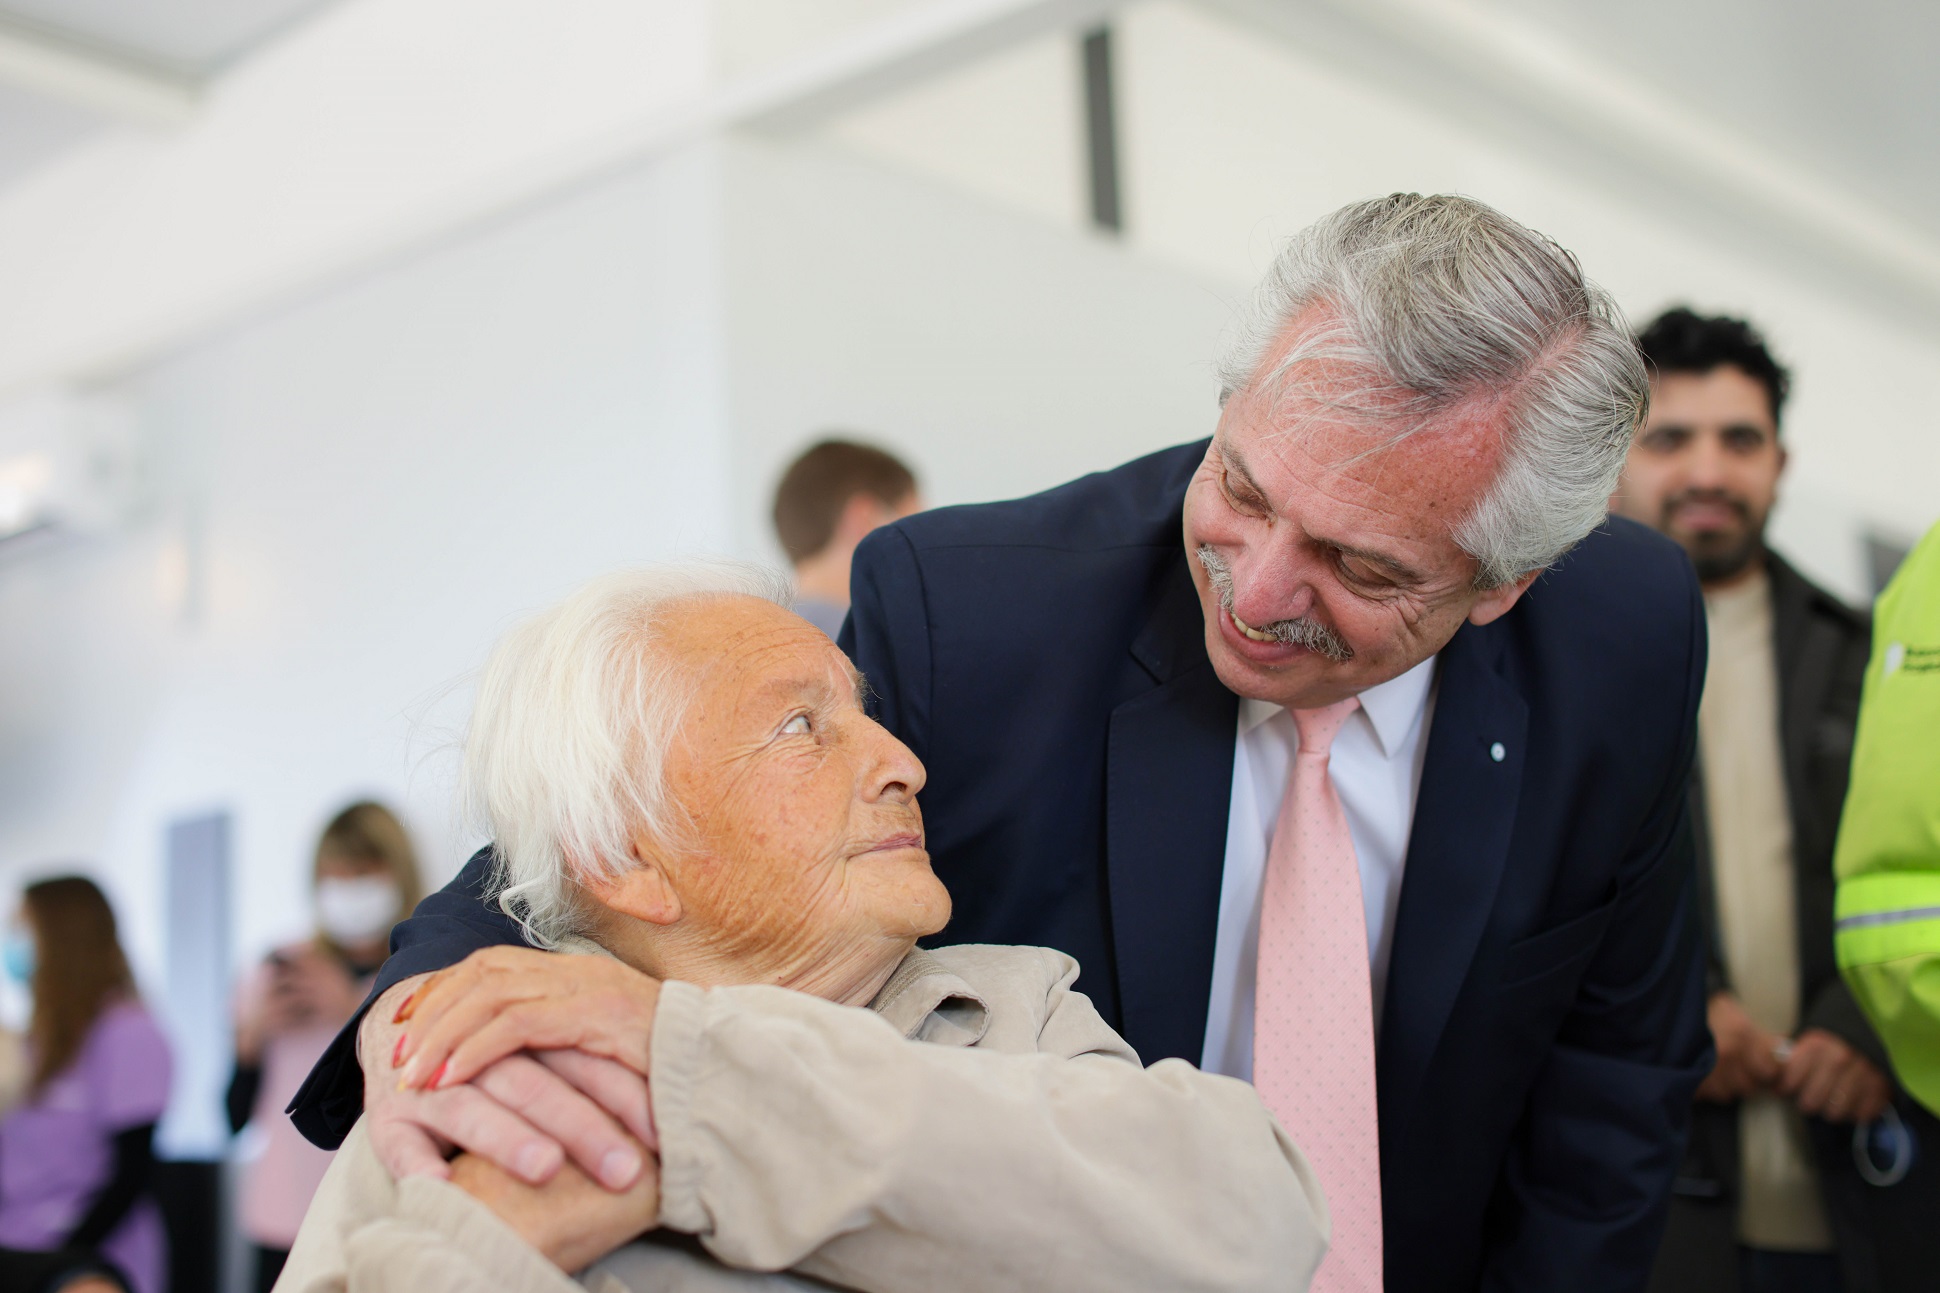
<point x="1021" y="1146"/>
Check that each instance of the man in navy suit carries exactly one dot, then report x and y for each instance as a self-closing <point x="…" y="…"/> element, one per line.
<point x="1422" y="421"/>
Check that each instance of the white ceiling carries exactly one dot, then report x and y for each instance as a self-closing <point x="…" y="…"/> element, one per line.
<point x="1847" y="91"/>
<point x="34" y="129"/>
<point x="194" y="37"/>
<point x="180" y="41"/>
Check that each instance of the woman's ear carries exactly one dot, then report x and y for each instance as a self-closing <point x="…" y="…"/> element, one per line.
<point x="644" y="892"/>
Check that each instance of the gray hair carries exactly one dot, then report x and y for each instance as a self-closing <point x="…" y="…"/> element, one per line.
<point x="576" y="709"/>
<point x="1437" y="303"/>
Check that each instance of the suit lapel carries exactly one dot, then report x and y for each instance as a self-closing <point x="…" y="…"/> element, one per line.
<point x="1457" y="849"/>
<point x="1168" y="786"/>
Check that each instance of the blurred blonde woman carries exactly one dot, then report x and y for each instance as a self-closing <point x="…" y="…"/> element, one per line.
<point x="76" y="1152"/>
<point x="365" y="879"/>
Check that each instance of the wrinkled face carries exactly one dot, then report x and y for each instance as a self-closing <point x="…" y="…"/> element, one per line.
<point x="807" y="853"/>
<point x="1324" y="569"/>
<point x="1705" y="469"/>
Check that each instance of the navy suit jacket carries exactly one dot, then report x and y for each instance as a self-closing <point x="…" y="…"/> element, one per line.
<point x="1544" y="1026"/>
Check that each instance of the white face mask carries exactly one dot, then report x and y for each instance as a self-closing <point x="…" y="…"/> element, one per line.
<point x="357" y="910"/>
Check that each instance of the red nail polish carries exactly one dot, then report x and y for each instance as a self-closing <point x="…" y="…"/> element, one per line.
<point x="437" y="1077"/>
<point x="404" y="1009"/>
<point x="397" y="1053"/>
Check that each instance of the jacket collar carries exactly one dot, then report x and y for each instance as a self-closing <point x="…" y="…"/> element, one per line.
<point x="1168" y="786"/>
<point x="926" y="1001"/>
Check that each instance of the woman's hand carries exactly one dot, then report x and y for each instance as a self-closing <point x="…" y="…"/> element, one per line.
<point x="571" y="1219"/>
<point x="527" y="1113"/>
<point x="506" y="999"/>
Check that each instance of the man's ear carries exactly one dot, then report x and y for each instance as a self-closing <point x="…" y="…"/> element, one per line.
<point x="1494" y="603"/>
<point x="645" y="892"/>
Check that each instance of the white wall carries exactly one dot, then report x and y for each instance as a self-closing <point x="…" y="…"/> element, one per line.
<point x="374" y="126"/>
<point x="754" y="35"/>
<point x="1002" y="353"/>
<point x="356" y="495"/>
<point x="1009" y="127"/>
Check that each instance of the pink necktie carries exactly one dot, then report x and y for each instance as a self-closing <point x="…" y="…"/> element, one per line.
<point x="1313" y="1020"/>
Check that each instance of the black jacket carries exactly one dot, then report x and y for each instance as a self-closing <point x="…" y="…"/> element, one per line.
<point x="1821" y="646"/>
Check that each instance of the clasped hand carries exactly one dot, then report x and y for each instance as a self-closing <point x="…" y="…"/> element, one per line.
<point x="1818" y="1072"/>
<point x="537" y="1064"/>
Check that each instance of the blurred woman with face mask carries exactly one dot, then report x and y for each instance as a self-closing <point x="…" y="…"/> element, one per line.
<point x="366" y="880"/>
<point x="77" y="1149"/>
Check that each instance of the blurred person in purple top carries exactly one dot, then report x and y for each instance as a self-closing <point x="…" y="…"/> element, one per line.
<point x="366" y="878"/>
<point x="76" y="1152"/>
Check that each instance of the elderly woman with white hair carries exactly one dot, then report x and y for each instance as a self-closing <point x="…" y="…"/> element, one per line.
<point x="689" y="802"/>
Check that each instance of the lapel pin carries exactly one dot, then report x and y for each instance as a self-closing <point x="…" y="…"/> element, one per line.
<point x="1497" y="753"/>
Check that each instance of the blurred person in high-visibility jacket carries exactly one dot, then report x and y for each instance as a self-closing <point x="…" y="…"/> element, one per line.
<point x="1888" y="861"/>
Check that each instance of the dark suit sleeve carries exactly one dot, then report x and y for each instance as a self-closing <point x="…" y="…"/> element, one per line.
<point x="1586" y="1185"/>
<point x="888" y="634"/>
<point x="447" y="927"/>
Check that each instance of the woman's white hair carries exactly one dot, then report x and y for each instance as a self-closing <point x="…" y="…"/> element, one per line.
<point x="1436" y="303"/>
<point x="577" y="707"/>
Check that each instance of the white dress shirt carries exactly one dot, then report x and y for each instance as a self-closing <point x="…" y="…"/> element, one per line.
<point x="1376" y="767"/>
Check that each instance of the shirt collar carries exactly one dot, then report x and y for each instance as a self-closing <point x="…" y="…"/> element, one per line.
<point x="1392" y="707"/>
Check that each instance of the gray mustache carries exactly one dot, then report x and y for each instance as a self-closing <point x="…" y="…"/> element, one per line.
<point x="1304" y="632"/>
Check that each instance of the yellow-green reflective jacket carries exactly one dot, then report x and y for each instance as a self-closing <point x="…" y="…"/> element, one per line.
<point x="1887" y="919"/>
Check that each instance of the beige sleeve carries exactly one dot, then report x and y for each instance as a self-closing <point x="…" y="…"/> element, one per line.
<point x="797" y="1133"/>
<point x="366" y="1234"/>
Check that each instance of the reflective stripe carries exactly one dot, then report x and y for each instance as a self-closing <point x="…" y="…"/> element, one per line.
<point x="1893" y="940"/>
<point x="1886" y="891"/>
<point x="1888" y="918"/>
